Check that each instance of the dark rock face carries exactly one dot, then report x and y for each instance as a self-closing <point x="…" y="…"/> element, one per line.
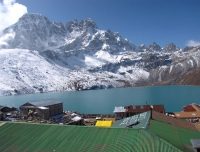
<point x="154" y="47"/>
<point x="50" y="54"/>
<point x="171" y="47"/>
<point x="173" y="72"/>
<point x="36" y="32"/>
<point x="83" y="25"/>
<point x="143" y="48"/>
<point x="187" y="48"/>
<point x="192" y="78"/>
<point x="154" y="60"/>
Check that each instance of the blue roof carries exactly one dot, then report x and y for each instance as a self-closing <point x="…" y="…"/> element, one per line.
<point x="44" y="103"/>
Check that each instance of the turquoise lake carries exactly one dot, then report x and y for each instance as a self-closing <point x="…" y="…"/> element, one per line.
<point x="104" y="101"/>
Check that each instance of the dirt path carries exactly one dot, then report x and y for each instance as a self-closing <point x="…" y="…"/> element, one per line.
<point x="2" y="123"/>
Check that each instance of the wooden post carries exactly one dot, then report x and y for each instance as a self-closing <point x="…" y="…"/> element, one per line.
<point x="151" y="110"/>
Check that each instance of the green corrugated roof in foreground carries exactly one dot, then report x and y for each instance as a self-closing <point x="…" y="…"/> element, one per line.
<point x="179" y="137"/>
<point x="19" y="137"/>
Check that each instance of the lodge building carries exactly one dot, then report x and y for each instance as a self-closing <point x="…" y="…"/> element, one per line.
<point x="127" y="111"/>
<point x="43" y="108"/>
<point x="191" y="111"/>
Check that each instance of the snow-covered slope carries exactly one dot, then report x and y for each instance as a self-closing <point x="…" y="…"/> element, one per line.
<point x="24" y="71"/>
<point x="37" y="55"/>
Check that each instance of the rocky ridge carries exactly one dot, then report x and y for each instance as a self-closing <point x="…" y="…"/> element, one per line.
<point x="42" y="56"/>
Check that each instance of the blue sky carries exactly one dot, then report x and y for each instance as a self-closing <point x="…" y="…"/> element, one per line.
<point x="140" y="21"/>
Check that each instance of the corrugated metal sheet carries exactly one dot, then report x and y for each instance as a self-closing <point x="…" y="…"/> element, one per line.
<point x="140" y="119"/>
<point x="191" y="108"/>
<point x="196" y="107"/>
<point x="187" y="115"/>
<point x="195" y="143"/>
<point x="119" y="109"/>
<point x="144" y="108"/>
<point x="7" y="109"/>
<point x="175" y="131"/>
<point x="104" y="123"/>
<point x="43" y="103"/>
<point x="18" y="137"/>
<point x="173" y="121"/>
<point x="76" y="118"/>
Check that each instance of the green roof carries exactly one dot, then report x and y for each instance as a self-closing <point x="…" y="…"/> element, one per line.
<point x="175" y="131"/>
<point x="40" y="137"/>
<point x="142" y="119"/>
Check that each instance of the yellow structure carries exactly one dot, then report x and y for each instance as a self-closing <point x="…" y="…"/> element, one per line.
<point x="104" y="123"/>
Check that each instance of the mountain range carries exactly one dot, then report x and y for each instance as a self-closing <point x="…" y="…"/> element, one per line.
<point x="38" y="55"/>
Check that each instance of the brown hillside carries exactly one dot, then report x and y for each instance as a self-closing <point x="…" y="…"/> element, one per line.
<point x="192" y="78"/>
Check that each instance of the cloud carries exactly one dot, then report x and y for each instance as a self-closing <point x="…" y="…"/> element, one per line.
<point x="3" y="39"/>
<point x="192" y="43"/>
<point x="10" y="12"/>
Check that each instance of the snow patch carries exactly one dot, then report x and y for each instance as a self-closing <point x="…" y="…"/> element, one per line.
<point x="171" y="67"/>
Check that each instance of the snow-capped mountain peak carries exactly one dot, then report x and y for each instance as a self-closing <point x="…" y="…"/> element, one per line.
<point x="143" y="48"/>
<point x="154" y="47"/>
<point x="38" y="55"/>
<point x="171" y="47"/>
<point x="36" y="32"/>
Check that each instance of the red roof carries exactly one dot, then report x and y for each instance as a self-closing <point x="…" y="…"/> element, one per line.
<point x="143" y="108"/>
<point x="191" y="108"/>
<point x="180" y="123"/>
